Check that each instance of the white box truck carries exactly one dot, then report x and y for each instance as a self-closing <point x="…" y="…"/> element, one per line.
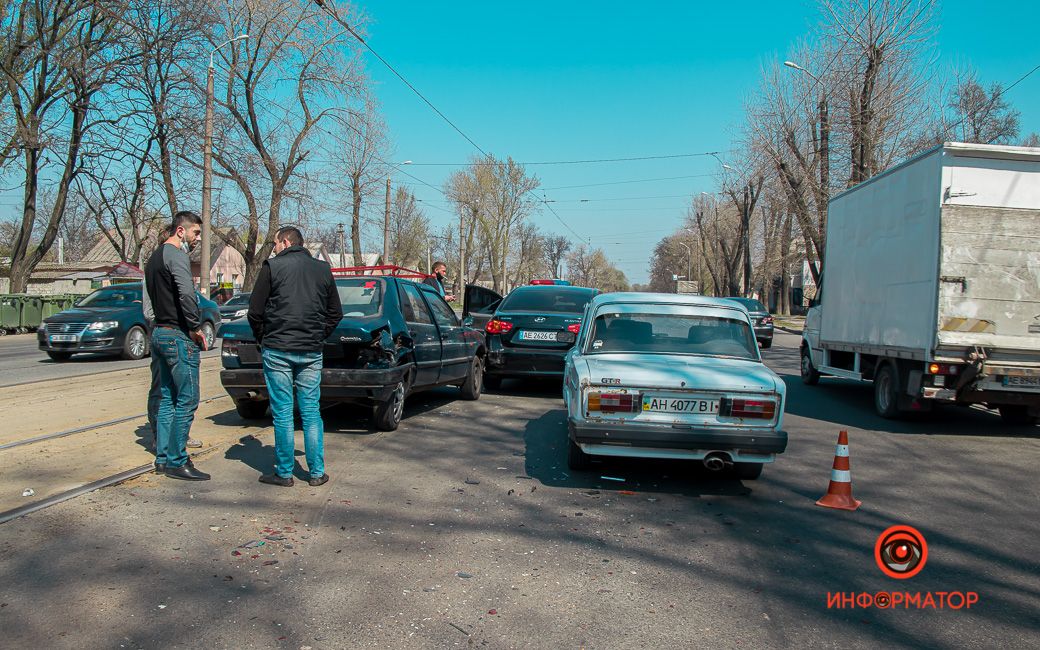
<point x="931" y="284"/>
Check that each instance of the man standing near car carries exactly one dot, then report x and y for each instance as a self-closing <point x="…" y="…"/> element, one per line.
<point x="294" y="307"/>
<point x="177" y="340"/>
<point x="440" y="271"/>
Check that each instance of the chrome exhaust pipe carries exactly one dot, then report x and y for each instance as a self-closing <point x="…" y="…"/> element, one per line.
<point x="715" y="462"/>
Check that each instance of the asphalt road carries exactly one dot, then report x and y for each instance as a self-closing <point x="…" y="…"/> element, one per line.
<point x="21" y="361"/>
<point x="465" y="528"/>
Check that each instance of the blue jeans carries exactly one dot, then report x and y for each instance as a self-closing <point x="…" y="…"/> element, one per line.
<point x="178" y="361"/>
<point x="287" y="373"/>
<point x="154" y="394"/>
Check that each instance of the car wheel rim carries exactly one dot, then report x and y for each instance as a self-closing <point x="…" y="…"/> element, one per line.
<point x="398" y="405"/>
<point x="209" y="338"/>
<point x="137" y="343"/>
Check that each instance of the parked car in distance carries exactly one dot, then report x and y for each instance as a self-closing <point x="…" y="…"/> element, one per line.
<point x="235" y="307"/>
<point x="672" y="376"/>
<point x="110" y="320"/>
<point x="530" y="330"/>
<point x="760" y="319"/>
<point x="396" y="337"/>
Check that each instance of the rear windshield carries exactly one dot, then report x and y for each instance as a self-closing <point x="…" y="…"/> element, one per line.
<point x="557" y="299"/>
<point x="750" y="304"/>
<point x="672" y="334"/>
<point x="360" y="296"/>
<point x="112" y="298"/>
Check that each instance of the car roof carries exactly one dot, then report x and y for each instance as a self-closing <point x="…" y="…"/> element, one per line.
<point x="636" y="297"/>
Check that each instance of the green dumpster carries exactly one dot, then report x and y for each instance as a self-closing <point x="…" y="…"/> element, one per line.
<point x="55" y="304"/>
<point x="32" y="312"/>
<point x="10" y="313"/>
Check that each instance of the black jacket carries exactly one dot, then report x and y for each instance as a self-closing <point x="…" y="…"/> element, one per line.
<point x="295" y="305"/>
<point x="171" y="290"/>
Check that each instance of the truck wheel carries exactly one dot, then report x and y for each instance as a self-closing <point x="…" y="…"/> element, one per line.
<point x="251" y="409"/>
<point x="135" y="345"/>
<point x="386" y="416"/>
<point x="1017" y="415"/>
<point x="492" y="382"/>
<point x="886" y="392"/>
<point x="748" y="471"/>
<point x="60" y="356"/>
<point x="576" y="458"/>
<point x="810" y="376"/>
<point x="471" y="388"/>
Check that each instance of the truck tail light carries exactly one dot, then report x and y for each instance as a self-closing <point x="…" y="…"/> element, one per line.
<point x="942" y="369"/>
<point x="496" y="326"/>
<point x="614" y="402"/>
<point x="747" y="408"/>
<point x="574" y="328"/>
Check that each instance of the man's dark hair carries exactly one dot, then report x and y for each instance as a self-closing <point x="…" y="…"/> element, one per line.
<point x="291" y="234"/>
<point x="184" y="218"/>
<point x="437" y="265"/>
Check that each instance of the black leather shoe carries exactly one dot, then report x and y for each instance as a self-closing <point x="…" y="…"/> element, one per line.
<point x="274" y="479"/>
<point x="160" y="468"/>
<point x="187" y="473"/>
<point x="321" y="480"/>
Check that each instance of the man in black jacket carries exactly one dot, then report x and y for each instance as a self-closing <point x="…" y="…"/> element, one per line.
<point x="177" y="340"/>
<point x="294" y="307"/>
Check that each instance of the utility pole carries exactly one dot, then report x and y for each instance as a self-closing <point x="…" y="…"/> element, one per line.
<point x="386" y="225"/>
<point x="342" y="246"/>
<point x="207" y="175"/>
<point x="462" y="248"/>
<point x="207" y="185"/>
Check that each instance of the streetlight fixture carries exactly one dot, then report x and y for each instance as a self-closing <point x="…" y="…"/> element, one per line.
<point x="386" y="213"/>
<point x="207" y="174"/>
<point x="795" y="66"/>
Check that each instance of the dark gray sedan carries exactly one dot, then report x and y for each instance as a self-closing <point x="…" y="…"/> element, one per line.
<point x="760" y="319"/>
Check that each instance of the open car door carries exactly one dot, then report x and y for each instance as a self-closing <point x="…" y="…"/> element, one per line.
<point x="479" y="304"/>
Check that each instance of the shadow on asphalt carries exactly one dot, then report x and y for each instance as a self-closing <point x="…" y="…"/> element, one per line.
<point x="850" y="404"/>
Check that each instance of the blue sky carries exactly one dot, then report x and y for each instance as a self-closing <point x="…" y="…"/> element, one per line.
<point x="550" y="81"/>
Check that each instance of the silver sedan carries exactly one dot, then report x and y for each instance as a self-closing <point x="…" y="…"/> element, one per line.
<point x="672" y="376"/>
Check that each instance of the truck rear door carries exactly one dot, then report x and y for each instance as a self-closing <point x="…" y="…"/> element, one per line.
<point x="989" y="289"/>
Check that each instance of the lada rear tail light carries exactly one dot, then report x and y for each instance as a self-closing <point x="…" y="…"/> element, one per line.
<point x="614" y="402"/>
<point x="747" y="408"/>
<point x="498" y="326"/>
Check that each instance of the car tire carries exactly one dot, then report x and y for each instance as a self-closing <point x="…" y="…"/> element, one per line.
<point x="1017" y="415"/>
<point x="60" y="356"/>
<point x="210" y="334"/>
<point x="491" y="382"/>
<point x="135" y="344"/>
<point x="251" y="409"/>
<point x="765" y="344"/>
<point x="810" y="375"/>
<point x="474" y="383"/>
<point x="886" y="392"/>
<point x="386" y="416"/>
<point x="748" y="471"/>
<point x="576" y="458"/>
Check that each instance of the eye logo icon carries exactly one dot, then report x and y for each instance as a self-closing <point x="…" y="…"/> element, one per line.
<point x="901" y="552"/>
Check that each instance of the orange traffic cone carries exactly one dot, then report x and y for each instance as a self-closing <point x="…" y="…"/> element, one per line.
<point x="839" y="492"/>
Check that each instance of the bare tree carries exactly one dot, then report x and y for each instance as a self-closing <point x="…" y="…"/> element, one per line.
<point x="409" y="231"/>
<point x="978" y="115"/>
<point x="298" y="70"/>
<point x="364" y="142"/>
<point x="57" y="57"/>
<point x="556" y="249"/>
<point x="590" y="268"/>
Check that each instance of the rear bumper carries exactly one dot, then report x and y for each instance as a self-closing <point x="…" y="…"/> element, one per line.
<point x="337" y="385"/>
<point x="517" y="362"/>
<point x="662" y="441"/>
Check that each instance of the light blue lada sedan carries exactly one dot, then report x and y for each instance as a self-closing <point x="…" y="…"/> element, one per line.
<point x="657" y="375"/>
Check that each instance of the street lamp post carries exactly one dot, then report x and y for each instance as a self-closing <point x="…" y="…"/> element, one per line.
<point x="386" y="213"/>
<point x="207" y="174"/>
<point x="689" y="260"/>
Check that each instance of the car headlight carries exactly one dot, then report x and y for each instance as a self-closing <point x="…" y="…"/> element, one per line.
<point x="240" y="313"/>
<point x="103" y="325"/>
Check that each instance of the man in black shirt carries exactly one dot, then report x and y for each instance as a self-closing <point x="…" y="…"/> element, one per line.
<point x="293" y="308"/>
<point x="440" y="271"/>
<point x="177" y="340"/>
